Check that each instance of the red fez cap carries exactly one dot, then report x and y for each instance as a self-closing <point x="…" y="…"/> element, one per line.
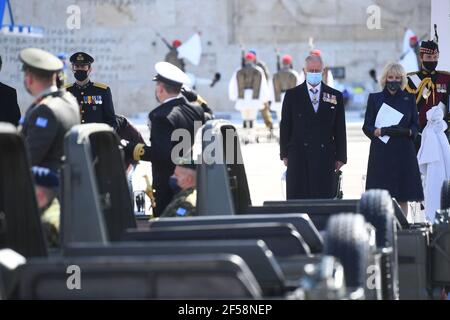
<point x="176" y="43"/>
<point x="316" y="52"/>
<point x="287" y="59"/>
<point x="250" y="56"/>
<point x="413" y="38"/>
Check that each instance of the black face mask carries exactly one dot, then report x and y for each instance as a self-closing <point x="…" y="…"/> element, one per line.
<point x="81" y="75"/>
<point x="393" y="85"/>
<point x="430" y="65"/>
<point x="173" y="183"/>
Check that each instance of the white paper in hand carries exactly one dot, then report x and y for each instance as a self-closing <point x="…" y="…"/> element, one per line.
<point x="386" y="117"/>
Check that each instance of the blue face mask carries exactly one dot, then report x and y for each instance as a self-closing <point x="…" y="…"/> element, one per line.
<point x="313" y="78"/>
<point x="173" y="183"/>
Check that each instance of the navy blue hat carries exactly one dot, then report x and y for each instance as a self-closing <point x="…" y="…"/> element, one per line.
<point x="44" y="177"/>
<point x="81" y="58"/>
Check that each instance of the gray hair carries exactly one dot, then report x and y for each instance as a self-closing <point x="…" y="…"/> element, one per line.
<point x="313" y="58"/>
<point x="398" y="70"/>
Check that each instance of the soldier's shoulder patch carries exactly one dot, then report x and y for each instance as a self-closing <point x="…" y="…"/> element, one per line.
<point x="181" y="212"/>
<point x="41" y="122"/>
<point x="100" y="85"/>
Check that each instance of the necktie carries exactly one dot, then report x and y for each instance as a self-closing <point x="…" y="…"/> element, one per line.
<point x="315" y="99"/>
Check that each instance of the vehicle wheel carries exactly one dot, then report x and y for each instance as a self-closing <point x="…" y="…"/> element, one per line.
<point x="445" y="195"/>
<point x="377" y="207"/>
<point x="347" y="239"/>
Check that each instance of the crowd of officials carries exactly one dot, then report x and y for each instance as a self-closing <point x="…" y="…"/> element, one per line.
<point x="409" y="157"/>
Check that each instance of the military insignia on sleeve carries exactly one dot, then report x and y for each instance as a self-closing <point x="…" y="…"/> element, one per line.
<point x="181" y="212"/>
<point x="330" y="98"/>
<point x="441" y="88"/>
<point x="41" y="122"/>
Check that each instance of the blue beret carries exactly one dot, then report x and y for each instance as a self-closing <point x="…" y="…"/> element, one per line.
<point x="44" y="177"/>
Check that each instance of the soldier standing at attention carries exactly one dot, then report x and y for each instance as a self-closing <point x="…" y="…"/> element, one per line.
<point x="172" y="55"/>
<point x="265" y="112"/>
<point x="53" y="112"/>
<point x="430" y="87"/>
<point x="286" y="78"/>
<point x="94" y="98"/>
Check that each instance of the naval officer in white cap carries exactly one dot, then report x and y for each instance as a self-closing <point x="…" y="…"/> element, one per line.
<point x="174" y="113"/>
<point x="52" y="113"/>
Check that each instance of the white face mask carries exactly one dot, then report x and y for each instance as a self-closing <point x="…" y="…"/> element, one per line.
<point x="313" y="78"/>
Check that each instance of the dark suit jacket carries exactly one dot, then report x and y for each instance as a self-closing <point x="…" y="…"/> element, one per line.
<point x="164" y="120"/>
<point x="312" y="142"/>
<point x="9" y="108"/>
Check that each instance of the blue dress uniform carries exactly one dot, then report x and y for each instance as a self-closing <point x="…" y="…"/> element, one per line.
<point x="171" y="115"/>
<point x="96" y="105"/>
<point x="94" y="98"/>
<point x="393" y="166"/>
<point x="312" y="142"/>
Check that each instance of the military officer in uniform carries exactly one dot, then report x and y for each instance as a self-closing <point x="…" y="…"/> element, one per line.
<point x="313" y="143"/>
<point x="52" y="113"/>
<point x="173" y="113"/>
<point x="286" y="78"/>
<point x="94" y="98"/>
<point x="249" y="88"/>
<point x="430" y="87"/>
<point x="184" y="181"/>
<point x="265" y="112"/>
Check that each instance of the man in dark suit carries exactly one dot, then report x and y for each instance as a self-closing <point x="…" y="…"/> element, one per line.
<point x="313" y="142"/>
<point x="9" y="108"/>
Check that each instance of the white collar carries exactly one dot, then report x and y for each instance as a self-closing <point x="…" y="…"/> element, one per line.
<point x="318" y="87"/>
<point x="170" y="99"/>
<point x="47" y="91"/>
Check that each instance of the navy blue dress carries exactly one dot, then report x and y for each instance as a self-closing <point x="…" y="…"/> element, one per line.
<point x="393" y="166"/>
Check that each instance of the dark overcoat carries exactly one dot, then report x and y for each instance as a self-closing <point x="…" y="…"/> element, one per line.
<point x="393" y="166"/>
<point x="312" y="142"/>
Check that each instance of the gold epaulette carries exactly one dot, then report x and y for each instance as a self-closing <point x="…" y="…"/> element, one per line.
<point x="100" y="85"/>
<point x="412" y="73"/>
<point x="138" y="151"/>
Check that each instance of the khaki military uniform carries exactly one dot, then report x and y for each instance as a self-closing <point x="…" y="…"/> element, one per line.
<point x="172" y="57"/>
<point x="183" y="204"/>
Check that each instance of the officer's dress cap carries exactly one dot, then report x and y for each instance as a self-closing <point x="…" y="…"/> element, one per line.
<point x="81" y="58"/>
<point x="170" y="74"/>
<point x="40" y="59"/>
<point x="44" y="177"/>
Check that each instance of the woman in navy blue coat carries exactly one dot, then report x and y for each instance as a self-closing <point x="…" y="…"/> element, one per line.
<point x="393" y="166"/>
